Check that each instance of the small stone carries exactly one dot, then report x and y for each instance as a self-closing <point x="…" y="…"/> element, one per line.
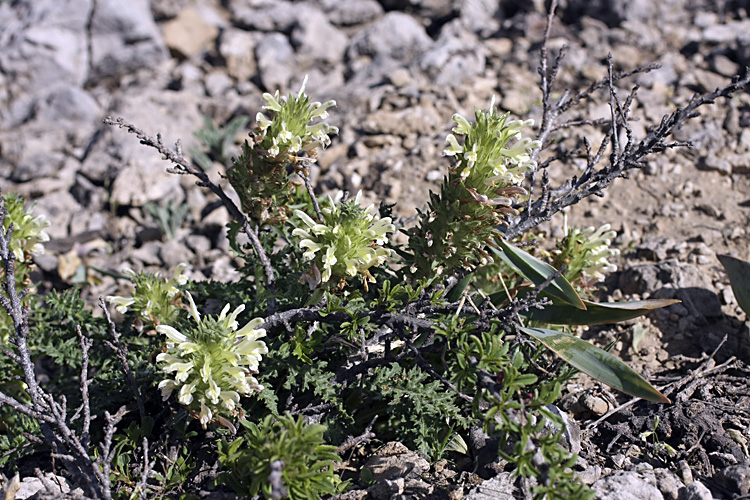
<point x="452" y="61"/>
<point x="735" y="478"/>
<point x="718" y="164"/>
<point x="123" y="38"/>
<point x="386" y="489"/>
<point x="434" y="175"/>
<point x="148" y="254"/>
<point x="499" y="487"/>
<point x="630" y="485"/>
<point x="198" y="243"/>
<point x="316" y="39"/>
<point x="724" y="66"/>
<point x="175" y="252"/>
<point x="237" y="47"/>
<point x="695" y="491"/>
<point x="30" y="486"/>
<point x="668" y="483"/>
<point x="188" y="34"/>
<point x="598" y="406"/>
<point x="217" y="82"/>
<point x="396" y="35"/>
<point x="394" y="460"/>
<point x="275" y="57"/>
<point x="352" y="12"/>
<point x="590" y="474"/>
<point x="47" y="262"/>
<point x="400" y="77"/>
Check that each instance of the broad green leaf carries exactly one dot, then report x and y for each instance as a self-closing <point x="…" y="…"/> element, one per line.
<point x="596" y="363"/>
<point x="456" y="292"/>
<point x="739" y="277"/>
<point x="595" y="313"/>
<point x="538" y="272"/>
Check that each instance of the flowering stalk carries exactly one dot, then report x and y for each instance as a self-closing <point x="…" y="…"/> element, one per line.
<point x="27" y="240"/>
<point x="477" y="195"/>
<point x="287" y="136"/>
<point x="346" y="243"/>
<point x="585" y="252"/>
<point x="212" y="362"/>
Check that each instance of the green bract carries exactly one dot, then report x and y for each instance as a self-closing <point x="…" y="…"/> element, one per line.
<point x="212" y="362"/>
<point x="155" y="299"/>
<point x="347" y="242"/>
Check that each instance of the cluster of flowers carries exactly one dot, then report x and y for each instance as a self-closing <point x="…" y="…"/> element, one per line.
<point x="29" y="233"/>
<point x="593" y="245"/>
<point x="586" y="253"/>
<point x="28" y="240"/>
<point x="210" y="363"/>
<point x="213" y="361"/>
<point x="348" y="241"/>
<point x="155" y="299"/>
<point x="289" y="129"/>
<point x="493" y="153"/>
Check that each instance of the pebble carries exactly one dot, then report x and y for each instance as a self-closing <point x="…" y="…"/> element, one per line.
<point x="189" y="34"/>
<point x="695" y="491"/>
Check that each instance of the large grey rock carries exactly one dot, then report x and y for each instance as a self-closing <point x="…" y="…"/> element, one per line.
<point x="36" y="166"/>
<point x="316" y="39"/>
<point x="189" y="33"/>
<point x="395" y="36"/>
<point x="454" y="59"/>
<point x="237" y="47"/>
<point x="627" y="485"/>
<point x="59" y="208"/>
<point x="43" y="45"/>
<point x="735" y="478"/>
<point x="264" y="15"/>
<point x="124" y="38"/>
<point x="68" y="105"/>
<point x="275" y="57"/>
<point x="140" y="172"/>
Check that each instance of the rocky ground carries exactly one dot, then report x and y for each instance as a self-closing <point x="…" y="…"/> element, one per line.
<point x="398" y="71"/>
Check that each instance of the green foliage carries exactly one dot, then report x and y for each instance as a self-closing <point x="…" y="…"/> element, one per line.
<point x="417" y="410"/>
<point x="168" y="217"/>
<point x="217" y="141"/>
<point x="430" y="338"/>
<point x="281" y="457"/>
<point x="739" y="277"/>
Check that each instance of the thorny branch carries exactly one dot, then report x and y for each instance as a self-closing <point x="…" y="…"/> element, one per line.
<point x="67" y="444"/>
<point x="622" y="158"/>
<point x="122" y="354"/>
<point x="183" y="167"/>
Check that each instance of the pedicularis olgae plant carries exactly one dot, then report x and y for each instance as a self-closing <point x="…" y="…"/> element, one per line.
<point x="335" y="335"/>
